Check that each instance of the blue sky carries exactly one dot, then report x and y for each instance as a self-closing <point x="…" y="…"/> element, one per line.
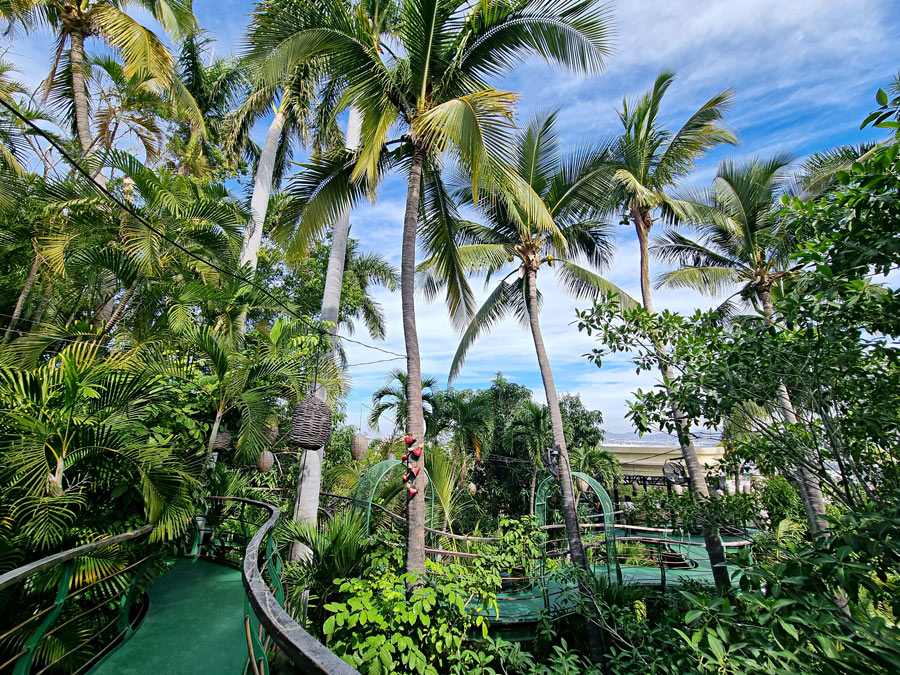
<point x="804" y="74"/>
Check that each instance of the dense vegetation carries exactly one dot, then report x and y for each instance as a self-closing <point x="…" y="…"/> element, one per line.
<point x="170" y="289"/>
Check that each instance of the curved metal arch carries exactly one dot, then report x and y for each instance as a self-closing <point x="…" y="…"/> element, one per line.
<point x="368" y="483"/>
<point x="609" y="526"/>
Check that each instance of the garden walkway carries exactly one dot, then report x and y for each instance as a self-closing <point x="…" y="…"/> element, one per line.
<point x="193" y="625"/>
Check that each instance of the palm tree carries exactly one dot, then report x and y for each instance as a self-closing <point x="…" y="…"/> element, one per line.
<point x="648" y="160"/>
<point x="597" y="461"/>
<point x="530" y="427"/>
<point x="743" y="241"/>
<point x="469" y="420"/>
<point x="567" y="187"/>
<point x="392" y="399"/>
<point x="430" y="80"/>
<point x="214" y="84"/>
<point x="73" y="23"/>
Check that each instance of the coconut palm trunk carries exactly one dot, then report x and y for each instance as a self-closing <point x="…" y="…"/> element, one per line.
<point x="262" y="188"/>
<point x="334" y="277"/>
<point x="309" y="480"/>
<point x="570" y="516"/>
<point x="23" y="296"/>
<point x="809" y="484"/>
<point x="79" y="94"/>
<point x="415" y="542"/>
<point x="714" y="548"/>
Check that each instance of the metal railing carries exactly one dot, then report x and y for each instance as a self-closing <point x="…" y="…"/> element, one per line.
<point x="266" y="623"/>
<point x="90" y="610"/>
<point x="58" y="596"/>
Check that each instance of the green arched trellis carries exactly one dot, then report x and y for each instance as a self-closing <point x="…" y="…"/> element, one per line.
<point x="368" y="484"/>
<point x="609" y="525"/>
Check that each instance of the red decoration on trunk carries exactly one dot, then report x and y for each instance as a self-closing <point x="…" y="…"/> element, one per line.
<point x="404" y="458"/>
<point x="416" y="453"/>
<point x="409" y="440"/>
<point x="413" y="492"/>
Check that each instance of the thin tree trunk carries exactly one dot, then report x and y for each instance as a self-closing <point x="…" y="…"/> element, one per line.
<point x="309" y="481"/>
<point x="23" y="296"/>
<point x="213" y="434"/>
<point x="714" y="548"/>
<point x="415" y="539"/>
<point x="262" y="188"/>
<point x="567" y="492"/>
<point x="809" y="483"/>
<point x="334" y="277"/>
<point x="42" y="306"/>
<point x="116" y="316"/>
<point x="595" y="639"/>
<point x="534" y="474"/>
<point x="80" y="101"/>
<point x="79" y="95"/>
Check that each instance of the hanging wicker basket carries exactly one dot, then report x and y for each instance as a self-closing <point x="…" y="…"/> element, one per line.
<point x="223" y="439"/>
<point x="265" y="462"/>
<point x="472" y="489"/>
<point x="311" y="424"/>
<point x="270" y="431"/>
<point x="582" y="484"/>
<point x="358" y="446"/>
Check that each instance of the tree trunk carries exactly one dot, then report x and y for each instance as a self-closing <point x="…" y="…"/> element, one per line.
<point x="534" y="474"/>
<point x="23" y="296"/>
<point x="595" y="640"/>
<point x="334" y="277"/>
<point x="79" y="94"/>
<point x="213" y="434"/>
<point x="714" y="548"/>
<point x="567" y="491"/>
<point x="306" y="502"/>
<point x="807" y="480"/>
<point x="415" y="540"/>
<point x="309" y="481"/>
<point x="262" y="188"/>
<point x="116" y="316"/>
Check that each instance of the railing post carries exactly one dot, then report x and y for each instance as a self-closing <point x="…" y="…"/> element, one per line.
<point x="23" y="665"/>
<point x="124" y="625"/>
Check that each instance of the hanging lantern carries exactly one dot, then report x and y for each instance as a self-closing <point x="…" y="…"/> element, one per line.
<point x="473" y="489"/>
<point x="270" y="432"/>
<point x="634" y="487"/>
<point x="359" y="444"/>
<point x="223" y="438"/>
<point x="311" y="424"/>
<point x="265" y="462"/>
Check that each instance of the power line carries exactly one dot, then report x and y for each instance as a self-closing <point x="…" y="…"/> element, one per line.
<point x="100" y="188"/>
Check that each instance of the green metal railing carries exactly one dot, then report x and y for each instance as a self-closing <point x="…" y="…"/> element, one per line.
<point x="90" y="609"/>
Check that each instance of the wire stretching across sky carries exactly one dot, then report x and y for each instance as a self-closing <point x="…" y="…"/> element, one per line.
<point x="106" y="193"/>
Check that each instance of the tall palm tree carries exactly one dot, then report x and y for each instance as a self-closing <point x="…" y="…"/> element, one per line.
<point x="743" y="241"/>
<point x="111" y="21"/>
<point x="530" y="427"/>
<point x="567" y="186"/>
<point x="648" y="160"/>
<point x="430" y="80"/>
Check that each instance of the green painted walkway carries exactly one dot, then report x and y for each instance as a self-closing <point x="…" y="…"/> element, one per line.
<point x="194" y="624"/>
<point x="526" y="606"/>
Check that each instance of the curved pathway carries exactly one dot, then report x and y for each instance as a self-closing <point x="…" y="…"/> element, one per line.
<point x="194" y="624"/>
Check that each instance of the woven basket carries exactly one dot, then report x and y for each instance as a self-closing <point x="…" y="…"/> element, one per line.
<point x="265" y="462"/>
<point x="223" y="439"/>
<point x="311" y="424"/>
<point x="582" y="484"/>
<point x="473" y="489"/>
<point x="270" y="431"/>
<point x="358" y="446"/>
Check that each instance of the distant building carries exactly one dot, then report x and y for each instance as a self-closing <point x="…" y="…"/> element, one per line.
<point x="645" y="460"/>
